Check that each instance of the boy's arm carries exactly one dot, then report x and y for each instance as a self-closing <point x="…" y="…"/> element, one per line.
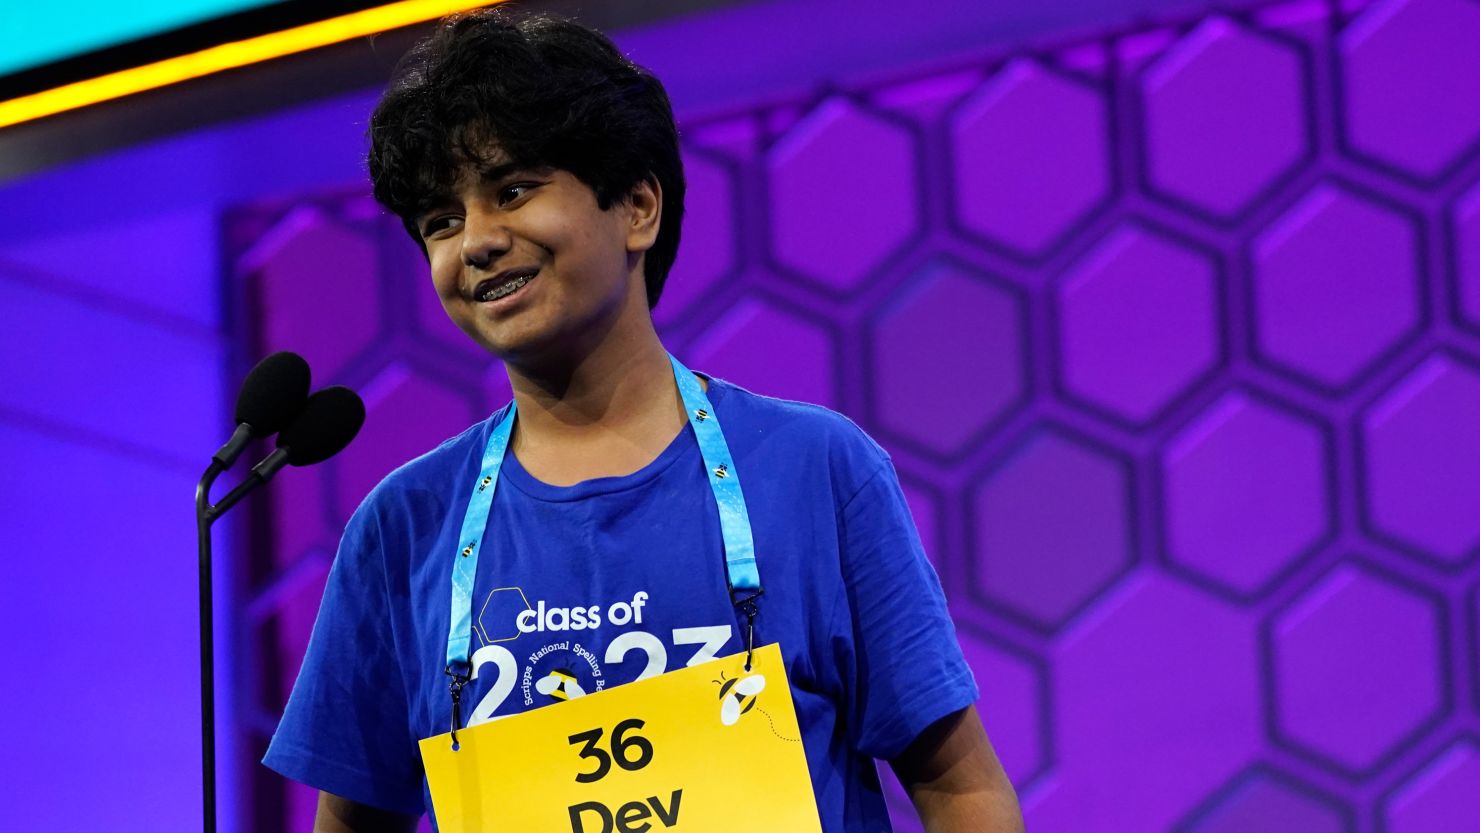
<point x="955" y="780"/>
<point x="340" y="815"/>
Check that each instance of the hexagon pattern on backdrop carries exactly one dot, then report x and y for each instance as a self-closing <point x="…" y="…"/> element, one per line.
<point x="1051" y="529"/>
<point x="1440" y="793"/>
<point x="1421" y="473"/>
<point x="1032" y="156"/>
<point x="1225" y="116"/>
<point x="1183" y="393"/>
<point x="1335" y="283"/>
<point x="1268" y="803"/>
<point x="1324" y="673"/>
<point x="1246" y="492"/>
<point x="1411" y="78"/>
<point x="1139" y="323"/>
<point x="970" y="331"/>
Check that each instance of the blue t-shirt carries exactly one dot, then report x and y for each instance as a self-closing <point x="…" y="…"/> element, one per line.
<point x="585" y="587"/>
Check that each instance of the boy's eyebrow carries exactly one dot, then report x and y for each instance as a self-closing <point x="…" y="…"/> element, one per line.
<point x="429" y="205"/>
<point x="500" y="171"/>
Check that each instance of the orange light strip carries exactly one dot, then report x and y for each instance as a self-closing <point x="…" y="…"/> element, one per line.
<point x="228" y="56"/>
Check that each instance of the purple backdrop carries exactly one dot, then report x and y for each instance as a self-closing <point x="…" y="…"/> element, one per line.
<point x="1166" y="332"/>
<point x="1173" y="332"/>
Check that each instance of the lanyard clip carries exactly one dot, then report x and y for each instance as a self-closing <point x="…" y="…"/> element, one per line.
<point x="454" y="687"/>
<point x="749" y="607"/>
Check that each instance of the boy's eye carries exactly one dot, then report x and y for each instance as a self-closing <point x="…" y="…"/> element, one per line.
<point x="436" y="224"/>
<point x="510" y="193"/>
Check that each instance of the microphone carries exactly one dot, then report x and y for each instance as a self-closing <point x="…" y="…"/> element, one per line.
<point x="330" y="420"/>
<point x="273" y="394"/>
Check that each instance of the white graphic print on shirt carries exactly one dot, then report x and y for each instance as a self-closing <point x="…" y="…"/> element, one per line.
<point x="566" y="668"/>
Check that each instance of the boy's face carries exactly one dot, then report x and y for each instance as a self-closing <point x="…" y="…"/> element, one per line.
<point x="526" y="262"/>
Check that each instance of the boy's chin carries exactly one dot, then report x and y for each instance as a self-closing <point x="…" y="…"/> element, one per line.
<point x="541" y="342"/>
<point x="521" y="346"/>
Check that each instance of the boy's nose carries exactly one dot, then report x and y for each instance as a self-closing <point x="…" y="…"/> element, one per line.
<point x="484" y="239"/>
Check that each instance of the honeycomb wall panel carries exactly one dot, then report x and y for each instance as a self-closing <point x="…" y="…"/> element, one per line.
<point x="1226" y="112"/>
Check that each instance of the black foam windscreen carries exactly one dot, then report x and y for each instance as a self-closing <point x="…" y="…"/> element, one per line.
<point x="273" y="394"/>
<point x="330" y="419"/>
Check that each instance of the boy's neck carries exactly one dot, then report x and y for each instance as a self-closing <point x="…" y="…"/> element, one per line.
<point x="606" y="414"/>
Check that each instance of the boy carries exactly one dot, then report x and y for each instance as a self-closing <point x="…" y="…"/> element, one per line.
<point x="539" y="170"/>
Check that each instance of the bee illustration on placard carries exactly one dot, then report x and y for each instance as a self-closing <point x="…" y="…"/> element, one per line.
<point x="738" y="696"/>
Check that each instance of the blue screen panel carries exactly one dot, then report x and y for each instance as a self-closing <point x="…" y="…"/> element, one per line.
<point x="32" y="34"/>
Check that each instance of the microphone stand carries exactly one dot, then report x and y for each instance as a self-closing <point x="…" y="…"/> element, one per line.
<point x="207" y="514"/>
<point x="326" y="422"/>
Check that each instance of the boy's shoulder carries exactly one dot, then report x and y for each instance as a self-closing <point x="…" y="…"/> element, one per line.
<point x="801" y="431"/>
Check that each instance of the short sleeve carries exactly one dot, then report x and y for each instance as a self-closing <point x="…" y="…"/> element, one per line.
<point x="345" y="729"/>
<point x="904" y="660"/>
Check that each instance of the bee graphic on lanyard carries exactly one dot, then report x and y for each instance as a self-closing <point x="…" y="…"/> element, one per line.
<point x="737" y="696"/>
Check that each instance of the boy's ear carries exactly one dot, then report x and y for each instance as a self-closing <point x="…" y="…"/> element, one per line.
<point x="645" y="210"/>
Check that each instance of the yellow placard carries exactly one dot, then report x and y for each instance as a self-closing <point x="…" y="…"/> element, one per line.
<point x="706" y="749"/>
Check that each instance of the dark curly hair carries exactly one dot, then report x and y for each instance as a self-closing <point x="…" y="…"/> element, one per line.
<point x="546" y="91"/>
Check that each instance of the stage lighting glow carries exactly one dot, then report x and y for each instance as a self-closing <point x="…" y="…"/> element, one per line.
<point x="228" y="56"/>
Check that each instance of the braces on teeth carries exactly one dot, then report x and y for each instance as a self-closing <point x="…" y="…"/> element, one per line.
<point x="503" y="289"/>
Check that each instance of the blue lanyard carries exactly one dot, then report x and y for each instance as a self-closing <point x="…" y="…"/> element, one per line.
<point x="724" y="482"/>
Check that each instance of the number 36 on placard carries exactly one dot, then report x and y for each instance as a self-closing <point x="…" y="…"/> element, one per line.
<point x="630" y="751"/>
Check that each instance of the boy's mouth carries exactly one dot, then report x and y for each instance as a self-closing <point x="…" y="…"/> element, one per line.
<point x="504" y="284"/>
